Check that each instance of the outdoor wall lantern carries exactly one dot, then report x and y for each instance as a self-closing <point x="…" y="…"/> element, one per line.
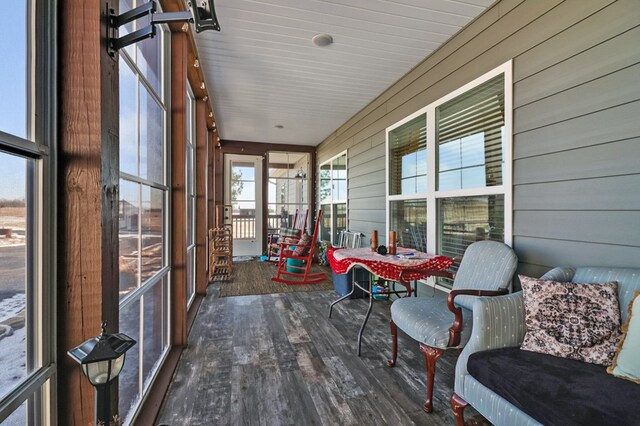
<point x="203" y="17"/>
<point x="300" y="174"/>
<point x="102" y="359"/>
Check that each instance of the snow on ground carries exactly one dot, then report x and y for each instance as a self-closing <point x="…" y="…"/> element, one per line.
<point x="13" y="359"/>
<point x="15" y="240"/>
<point x="12" y="306"/>
<point x="13" y="354"/>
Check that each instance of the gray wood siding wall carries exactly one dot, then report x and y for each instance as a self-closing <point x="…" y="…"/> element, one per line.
<point x="576" y="70"/>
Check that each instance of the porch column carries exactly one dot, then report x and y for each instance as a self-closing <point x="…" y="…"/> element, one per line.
<point x="211" y="207"/>
<point x="179" y="48"/>
<point x="201" y="197"/>
<point x="88" y="157"/>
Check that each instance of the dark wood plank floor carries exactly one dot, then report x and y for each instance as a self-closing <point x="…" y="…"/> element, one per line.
<point x="278" y="360"/>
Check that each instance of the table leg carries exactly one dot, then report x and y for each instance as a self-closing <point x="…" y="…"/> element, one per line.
<point x="353" y="288"/>
<point x="346" y="296"/>
<point x="366" y="318"/>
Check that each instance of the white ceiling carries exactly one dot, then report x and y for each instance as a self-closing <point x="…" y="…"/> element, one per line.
<point x="262" y="69"/>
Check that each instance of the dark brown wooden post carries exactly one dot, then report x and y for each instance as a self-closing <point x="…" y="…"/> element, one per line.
<point x="218" y="175"/>
<point x="87" y="268"/>
<point x="211" y="146"/>
<point x="201" y="197"/>
<point x="179" y="47"/>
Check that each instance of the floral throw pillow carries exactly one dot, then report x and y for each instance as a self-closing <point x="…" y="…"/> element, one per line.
<point x="302" y="247"/>
<point x="571" y="320"/>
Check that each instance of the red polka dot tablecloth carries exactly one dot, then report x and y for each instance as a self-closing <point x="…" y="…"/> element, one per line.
<point x="388" y="266"/>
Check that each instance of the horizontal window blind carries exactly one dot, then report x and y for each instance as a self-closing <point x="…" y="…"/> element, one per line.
<point x="409" y="219"/>
<point x="407" y="157"/>
<point x="469" y="138"/>
<point x="464" y="220"/>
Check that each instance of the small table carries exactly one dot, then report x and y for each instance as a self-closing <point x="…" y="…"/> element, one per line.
<point x="415" y="264"/>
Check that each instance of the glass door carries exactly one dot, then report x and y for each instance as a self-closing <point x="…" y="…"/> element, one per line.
<point x="243" y="192"/>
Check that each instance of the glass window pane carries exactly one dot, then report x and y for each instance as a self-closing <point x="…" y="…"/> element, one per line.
<point x="464" y="220"/>
<point x="287" y="188"/>
<point x="191" y="277"/>
<point x="191" y="225"/>
<point x="14" y="73"/>
<point x="450" y="180"/>
<point x="127" y="28"/>
<point x="409" y="219"/>
<point x="407" y="157"/>
<point x="325" y="225"/>
<point x="17" y="348"/>
<point x="143" y="207"/>
<point x="472" y="150"/>
<point x="155" y="328"/>
<point x="473" y="177"/>
<point x="470" y="136"/>
<point x="189" y="222"/>
<point x="273" y="221"/>
<point x="340" y="190"/>
<point x="129" y="219"/>
<point x="129" y="379"/>
<point x="325" y="182"/>
<point x="449" y="156"/>
<point x="152" y="226"/>
<point x="339" y="220"/>
<point x="128" y="120"/>
<point x="340" y="167"/>
<point x="339" y="175"/>
<point x="190" y="117"/>
<point x="151" y="138"/>
<point x="149" y="59"/>
<point x="189" y="170"/>
<point x="408" y="185"/>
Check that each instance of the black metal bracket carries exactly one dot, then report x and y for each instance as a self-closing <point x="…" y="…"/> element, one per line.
<point x="116" y="43"/>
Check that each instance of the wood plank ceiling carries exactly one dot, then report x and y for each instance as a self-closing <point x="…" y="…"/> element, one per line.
<point x="263" y="71"/>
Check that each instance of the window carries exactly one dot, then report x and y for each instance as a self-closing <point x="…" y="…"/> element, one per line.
<point x="333" y="197"/>
<point x="144" y="212"/>
<point x="408" y="158"/>
<point x="288" y="188"/>
<point x="26" y="223"/>
<point x="191" y="197"/>
<point x="449" y="169"/>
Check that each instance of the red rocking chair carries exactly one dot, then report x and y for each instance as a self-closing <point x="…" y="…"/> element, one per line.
<point x="294" y="233"/>
<point x="301" y="253"/>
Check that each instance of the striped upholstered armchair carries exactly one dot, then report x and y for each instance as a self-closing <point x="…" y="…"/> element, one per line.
<point x="486" y="269"/>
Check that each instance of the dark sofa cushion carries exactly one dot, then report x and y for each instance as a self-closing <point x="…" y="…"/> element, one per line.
<point x="557" y="391"/>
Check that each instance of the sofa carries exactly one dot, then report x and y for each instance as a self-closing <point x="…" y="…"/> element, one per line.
<point x="512" y="387"/>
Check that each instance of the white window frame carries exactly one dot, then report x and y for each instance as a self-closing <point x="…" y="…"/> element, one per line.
<point x="433" y="195"/>
<point x="191" y="197"/>
<point x="164" y="100"/>
<point x="333" y="201"/>
<point x="39" y="386"/>
<point x="306" y="194"/>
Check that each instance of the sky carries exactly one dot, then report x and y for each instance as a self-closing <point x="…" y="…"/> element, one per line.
<point x="12" y="93"/>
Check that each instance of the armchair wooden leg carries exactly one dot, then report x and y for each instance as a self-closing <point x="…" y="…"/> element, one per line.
<point x="458" y="405"/>
<point x="394" y="344"/>
<point x="431" y="356"/>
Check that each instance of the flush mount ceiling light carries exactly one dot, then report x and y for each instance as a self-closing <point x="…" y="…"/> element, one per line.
<point x="322" y="40"/>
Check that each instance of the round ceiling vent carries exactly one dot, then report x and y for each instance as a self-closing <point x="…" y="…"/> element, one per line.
<point x="322" y="40"/>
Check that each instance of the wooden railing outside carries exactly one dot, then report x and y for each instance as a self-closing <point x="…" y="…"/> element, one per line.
<point x="244" y="226"/>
